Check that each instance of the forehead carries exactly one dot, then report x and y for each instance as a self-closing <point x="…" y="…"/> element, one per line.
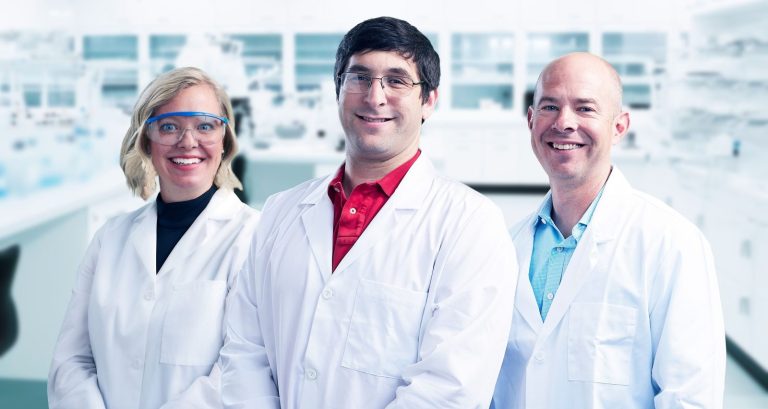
<point x="198" y="98"/>
<point x="574" y="82"/>
<point x="384" y="62"/>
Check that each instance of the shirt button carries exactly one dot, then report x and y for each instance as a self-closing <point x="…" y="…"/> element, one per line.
<point x="539" y="357"/>
<point x="550" y="296"/>
<point x="327" y="294"/>
<point x="559" y="249"/>
<point x="311" y="374"/>
<point x="336" y="189"/>
<point x="543" y="221"/>
<point x="149" y="295"/>
<point x="352" y="211"/>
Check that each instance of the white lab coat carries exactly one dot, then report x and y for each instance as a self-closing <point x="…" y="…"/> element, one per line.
<point x="134" y="339"/>
<point x="635" y="323"/>
<point x="416" y="315"/>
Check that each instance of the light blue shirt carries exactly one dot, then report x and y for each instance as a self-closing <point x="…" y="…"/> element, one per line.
<point x="552" y="253"/>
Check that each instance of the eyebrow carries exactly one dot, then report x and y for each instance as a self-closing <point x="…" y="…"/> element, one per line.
<point x="390" y="71"/>
<point x="578" y="100"/>
<point x="587" y="101"/>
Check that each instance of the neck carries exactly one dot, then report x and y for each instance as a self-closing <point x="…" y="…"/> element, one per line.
<point x="360" y="170"/>
<point x="569" y="203"/>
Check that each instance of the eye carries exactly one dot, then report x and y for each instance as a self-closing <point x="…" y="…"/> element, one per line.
<point x="397" y="82"/>
<point x="585" y="109"/>
<point x="206" y="127"/>
<point x="167" y="127"/>
<point x="549" y="108"/>
<point x="357" y="78"/>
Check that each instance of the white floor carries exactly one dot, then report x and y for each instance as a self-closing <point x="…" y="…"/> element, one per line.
<point x="741" y="391"/>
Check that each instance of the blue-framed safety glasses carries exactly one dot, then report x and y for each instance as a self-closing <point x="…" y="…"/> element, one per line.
<point x="169" y="128"/>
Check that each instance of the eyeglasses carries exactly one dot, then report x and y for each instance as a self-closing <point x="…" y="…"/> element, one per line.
<point x="393" y="85"/>
<point x="169" y="128"/>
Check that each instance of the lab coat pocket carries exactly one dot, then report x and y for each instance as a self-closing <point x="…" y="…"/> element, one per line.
<point x="383" y="333"/>
<point x="600" y="343"/>
<point x="193" y="322"/>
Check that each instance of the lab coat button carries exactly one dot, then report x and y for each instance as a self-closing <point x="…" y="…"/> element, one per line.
<point x="311" y="374"/>
<point x="539" y="357"/>
<point x="149" y="295"/>
<point x="327" y="294"/>
<point x="137" y="364"/>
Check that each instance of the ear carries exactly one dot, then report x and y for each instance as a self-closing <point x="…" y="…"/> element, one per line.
<point x="530" y="118"/>
<point x="428" y="107"/>
<point x="620" y="126"/>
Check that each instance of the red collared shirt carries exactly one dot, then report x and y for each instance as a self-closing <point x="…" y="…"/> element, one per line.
<point x="351" y="216"/>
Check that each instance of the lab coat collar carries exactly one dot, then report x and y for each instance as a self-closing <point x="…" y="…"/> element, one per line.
<point x="144" y="237"/>
<point x="525" y="303"/>
<point x="399" y="209"/>
<point x="318" y="223"/>
<point x="600" y="230"/>
<point x="318" y="218"/>
<point x="222" y="207"/>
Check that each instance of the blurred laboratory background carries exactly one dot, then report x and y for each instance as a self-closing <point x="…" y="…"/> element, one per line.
<point x="695" y="82"/>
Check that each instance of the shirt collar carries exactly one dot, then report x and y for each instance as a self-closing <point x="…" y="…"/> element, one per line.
<point x="545" y="215"/>
<point x="387" y="184"/>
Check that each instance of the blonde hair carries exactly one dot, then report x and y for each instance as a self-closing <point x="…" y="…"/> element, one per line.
<point x="135" y="158"/>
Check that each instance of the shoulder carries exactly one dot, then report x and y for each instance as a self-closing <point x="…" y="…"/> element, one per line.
<point x="294" y="195"/>
<point x="654" y="212"/>
<point x="285" y="207"/>
<point x="125" y="220"/>
<point x="227" y="200"/>
<point x="458" y="196"/>
<point x="650" y="220"/>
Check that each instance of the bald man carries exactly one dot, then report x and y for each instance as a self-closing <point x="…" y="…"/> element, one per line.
<point x="617" y="302"/>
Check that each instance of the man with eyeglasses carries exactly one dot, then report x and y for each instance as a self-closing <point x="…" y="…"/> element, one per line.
<point x="385" y="284"/>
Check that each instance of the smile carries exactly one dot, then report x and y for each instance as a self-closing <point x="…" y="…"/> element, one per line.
<point x="565" y="146"/>
<point x="373" y="120"/>
<point x="186" y="161"/>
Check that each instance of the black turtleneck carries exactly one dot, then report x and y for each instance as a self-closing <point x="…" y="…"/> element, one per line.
<point x="173" y="220"/>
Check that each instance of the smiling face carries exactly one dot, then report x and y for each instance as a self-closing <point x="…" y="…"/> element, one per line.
<point x="381" y="127"/>
<point x="575" y="119"/>
<point x="186" y="170"/>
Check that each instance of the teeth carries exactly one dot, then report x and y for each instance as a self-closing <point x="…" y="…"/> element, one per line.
<point x="565" y="147"/>
<point x="367" y="119"/>
<point x="186" y="161"/>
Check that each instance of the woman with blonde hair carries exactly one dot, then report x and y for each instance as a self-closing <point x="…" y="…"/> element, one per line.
<point x="144" y="326"/>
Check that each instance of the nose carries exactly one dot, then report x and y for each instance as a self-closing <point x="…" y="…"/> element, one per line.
<point x="187" y="139"/>
<point x="376" y="94"/>
<point x="565" y="121"/>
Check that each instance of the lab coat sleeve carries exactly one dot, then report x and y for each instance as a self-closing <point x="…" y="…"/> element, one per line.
<point x="246" y="375"/>
<point x="467" y="318"/>
<point x="72" y="381"/>
<point x="687" y="326"/>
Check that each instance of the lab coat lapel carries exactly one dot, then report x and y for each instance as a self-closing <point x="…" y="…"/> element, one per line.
<point x="221" y="208"/>
<point x="396" y="213"/>
<point x="525" y="303"/>
<point x="600" y="231"/>
<point x="318" y="223"/>
<point x="143" y="238"/>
